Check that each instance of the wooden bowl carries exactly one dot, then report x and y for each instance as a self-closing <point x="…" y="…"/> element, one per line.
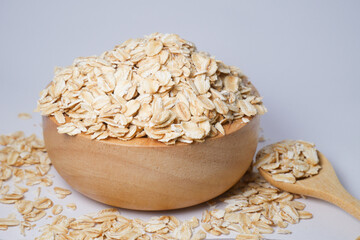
<point x="145" y="174"/>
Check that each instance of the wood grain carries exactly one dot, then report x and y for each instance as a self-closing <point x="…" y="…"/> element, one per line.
<point x="145" y="174"/>
<point x="325" y="186"/>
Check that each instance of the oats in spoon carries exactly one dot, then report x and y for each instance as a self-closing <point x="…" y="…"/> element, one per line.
<point x="289" y="160"/>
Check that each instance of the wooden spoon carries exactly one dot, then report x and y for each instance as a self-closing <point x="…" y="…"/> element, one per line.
<point x="324" y="185"/>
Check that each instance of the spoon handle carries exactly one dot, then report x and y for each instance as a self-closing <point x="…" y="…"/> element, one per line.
<point x="347" y="202"/>
<point x="329" y="188"/>
<point x="335" y="193"/>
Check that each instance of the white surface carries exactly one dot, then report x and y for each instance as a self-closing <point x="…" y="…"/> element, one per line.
<point x="303" y="56"/>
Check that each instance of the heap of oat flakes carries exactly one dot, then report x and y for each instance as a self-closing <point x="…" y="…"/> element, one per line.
<point x="109" y="224"/>
<point x="159" y="86"/>
<point x="252" y="207"/>
<point x="289" y="160"/>
<point x="23" y="160"/>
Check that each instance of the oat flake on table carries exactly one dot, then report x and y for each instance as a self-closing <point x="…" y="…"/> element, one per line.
<point x="158" y="87"/>
<point x="24" y="116"/>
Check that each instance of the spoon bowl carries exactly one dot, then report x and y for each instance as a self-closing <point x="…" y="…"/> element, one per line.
<point x="325" y="185"/>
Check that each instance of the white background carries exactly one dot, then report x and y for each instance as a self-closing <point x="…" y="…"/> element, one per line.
<point x="303" y="56"/>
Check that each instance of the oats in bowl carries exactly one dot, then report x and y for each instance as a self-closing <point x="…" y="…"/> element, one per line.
<point x="158" y="87"/>
<point x="150" y="91"/>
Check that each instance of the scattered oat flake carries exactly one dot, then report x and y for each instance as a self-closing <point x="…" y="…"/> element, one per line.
<point x="57" y="209"/>
<point x="43" y="203"/>
<point x="71" y="206"/>
<point x="34" y="215"/>
<point x="9" y="222"/>
<point x="38" y="192"/>
<point x="245" y="236"/>
<point x="199" y="235"/>
<point x="24" y="116"/>
<point x="3" y="227"/>
<point x="24" y="206"/>
<point x="305" y="215"/>
<point x="283" y="231"/>
<point x="62" y="191"/>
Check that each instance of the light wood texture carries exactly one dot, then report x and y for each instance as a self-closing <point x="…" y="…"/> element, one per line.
<point x="145" y="174"/>
<point x="325" y="186"/>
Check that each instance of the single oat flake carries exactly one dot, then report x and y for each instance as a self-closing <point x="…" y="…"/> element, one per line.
<point x="24" y="116"/>
<point x="57" y="209"/>
<point x="288" y="161"/>
<point x="61" y="192"/>
<point x="71" y="206"/>
<point x="158" y="87"/>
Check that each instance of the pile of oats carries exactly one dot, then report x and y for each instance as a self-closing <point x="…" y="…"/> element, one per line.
<point x="254" y="207"/>
<point x="23" y="160"/>
<point x="109" y="224"/>
<point x="289" y="160"/>
<point x="251" y="208"/>
<point x="158" y="87"/>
